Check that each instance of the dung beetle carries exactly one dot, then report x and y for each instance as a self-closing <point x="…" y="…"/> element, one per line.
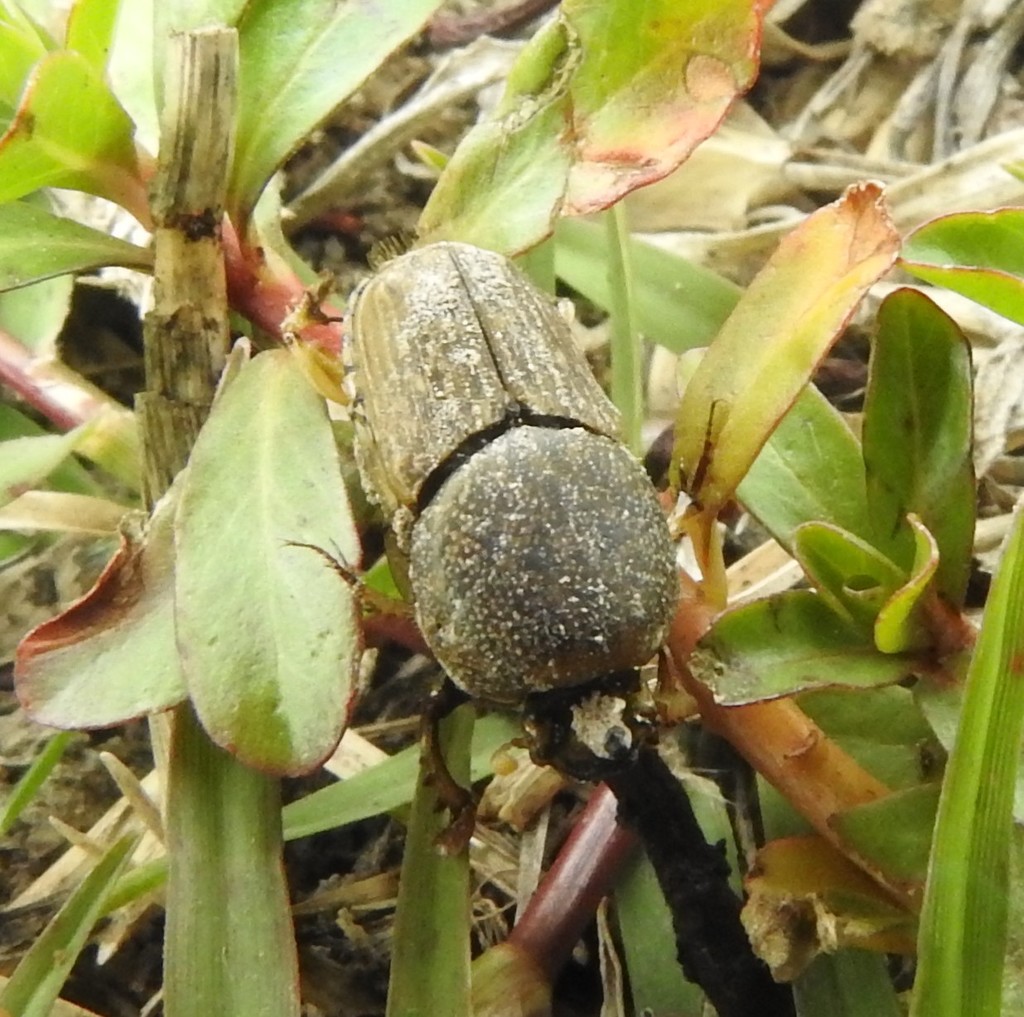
<point x="537" y="555"/>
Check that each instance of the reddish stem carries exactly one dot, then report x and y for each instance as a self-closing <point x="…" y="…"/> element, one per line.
<point x="582" y="875"/>
<point x="48" y="386"/>
<point x="266" y="296"/>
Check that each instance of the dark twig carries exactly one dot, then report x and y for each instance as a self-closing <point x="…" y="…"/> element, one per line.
<point x="711" y="945"/>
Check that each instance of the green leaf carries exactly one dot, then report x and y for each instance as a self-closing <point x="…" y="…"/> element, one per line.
<point x="70" y="475"/>
<point x="917" y="436"/>
<point x="130" y="68"/>
<point x="175" y="17"/>
<point x="883" y="729"/>
<point x="902" y="624"/>
<point x="850" y="983"/>
<point x="36" y="983"/>
<point x="809" y="469"/>
<point x="430" y="958"/>
<point x="81" y="669"/>
<point x="978" y="254"/>
<point x="27" y="462"/>
<point x="35" y="244"/>
<point x="963" y="929"/>
<point x="390" y="784"/>
<point x="51" y="143"/>
<point x="656" y="980"/>
<point x="782" y="327"/>
<point x="91" y="30"/>
<point x="297" y="62"/>
<point x="35" y="314"/>
<point x="785" y="644"/>
<point x="267" y="630"/>
<point x="1013" y="972"/>
<point x="603" y="100"/>
<point x="895" y="832"/>
<point x="626" y="386"/>
<point x="677" y="304"/>
<point x="22" y="45"/>
<point x="854" y="578"/>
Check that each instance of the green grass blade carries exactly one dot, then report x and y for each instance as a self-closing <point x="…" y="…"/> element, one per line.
<point x="677" y="305"/>
<point x="430" y="962"/>
<point x="852" y="983"/>
<point x="229" y="943"/>
<point x="627" y="366"/>
<point x="962" y="938"/>
<point x="33" y="779"/>
<point x="656" y="980"/>
<point x="39" y="977"/>
<point x="389" y="785"/>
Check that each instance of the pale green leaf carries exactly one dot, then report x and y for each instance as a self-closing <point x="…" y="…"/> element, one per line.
<point x="90" y="30"/>
<point x="26" y="462"/>
<point x="297" y="62"/>
<point x="430" y="951"/>
<point x="810" y="469"/>
<point x="267" y="630"/>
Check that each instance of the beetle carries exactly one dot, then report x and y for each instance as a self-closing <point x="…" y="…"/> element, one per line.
<point x="537" y="554"/>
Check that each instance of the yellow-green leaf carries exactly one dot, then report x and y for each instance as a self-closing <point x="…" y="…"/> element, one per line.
<point x="780" y="330"/>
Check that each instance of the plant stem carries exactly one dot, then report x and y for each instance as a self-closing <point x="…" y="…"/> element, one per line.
<point x="229" y="947"/>
<point x="786" y="747"/>
<point x="581" y="876"/>
<point x="229" y="944"/>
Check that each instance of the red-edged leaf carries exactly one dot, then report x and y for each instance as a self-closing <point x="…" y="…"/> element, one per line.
<point x="111" y="655"/>
<point x="607" y="98"/>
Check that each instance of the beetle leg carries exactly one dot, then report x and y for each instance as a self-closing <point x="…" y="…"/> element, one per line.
<point x="370" y="601"/>
<point x="460" y="801"/>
